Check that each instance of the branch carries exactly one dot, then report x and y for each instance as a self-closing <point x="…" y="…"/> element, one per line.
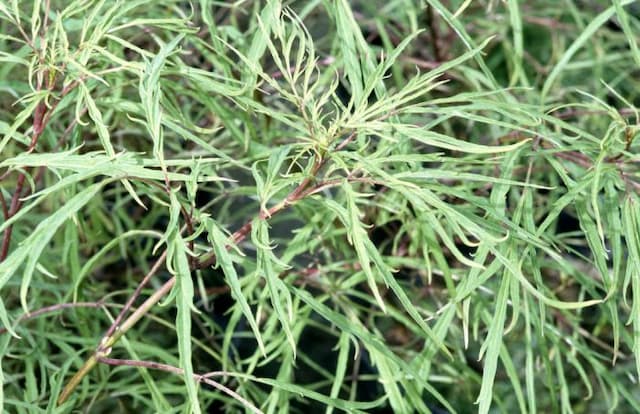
<point x="154" y="269"/>
<point x="115" y="332"/>
<point x="41" y="118"/>
<point x="209" y="259"/>
<point x="179" y="371"/>
<point x="108" y="341"/>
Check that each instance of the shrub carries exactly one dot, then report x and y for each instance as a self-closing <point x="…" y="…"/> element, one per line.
<point x="403" y="206"/>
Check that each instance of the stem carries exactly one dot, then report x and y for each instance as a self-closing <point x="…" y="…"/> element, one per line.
<point x="41" y="118"/>
<point x="432" y="22"/>
<point x="115" y="333"/>
<point x="154" y="269"/>
<point x="108" y="341"/>
<point x="5" y="209"/>
<point x="13" y="209"/>
<point x="77" y="377"/>
<point x="179" y="371"/>
<point x="209" y="259"/>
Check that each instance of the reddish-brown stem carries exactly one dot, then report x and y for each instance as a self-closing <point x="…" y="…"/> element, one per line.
<point x="154" y="269"/>
<point x="16" y="201"/>
<point x="117" y="329"/>
<point x="434" y="34"/>
<point x="243" y="231"/>
<point x="546" y="22"/>
<point x="584" y="161"/>
<point x="5" y="210"/>
<point x="296" y="195"/>
<point x="47" y="10"/>
<point x="13" y="209"/>
<point x="344" y="143"/>
<point x="421" y="63"/>
<point x="573" y="113"/>
<point x="41" y="117"/>
<point x="206" y="378"/>
<point x="108" y="341"/>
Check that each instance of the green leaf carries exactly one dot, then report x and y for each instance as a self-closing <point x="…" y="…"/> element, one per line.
<point x="29" y="251"/>
<point x="491" y="346"/>
<point x="219" y="242"/>
<point x="278" y="292"/>
<point x="368" y="339"/>
<point x="367" y="254"/>
<point x="177" y="254"/>
<point x="593" y="26"/>
<point x="632" y="236"/>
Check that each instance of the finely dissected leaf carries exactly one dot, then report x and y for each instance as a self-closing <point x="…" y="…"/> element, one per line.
<point x="518" y="56"/>
<point x="30" y="250"/>
<point x="103" y="134"/>
<point x="367" y="254"/>
<point x="184" y="303"/>
<point x="632" y="236"/>
<point x="219" y="242"/>
<point x="388" y="378"/>
<point x="517" y="272"/>
<point x="464" y="36"/>
<point x="96" y="163"/>
<point x="356" y="330"/>
<point x="348" y="406"/>
<point x="96" y="116"/>
<point x="357" y="56"/>
<point x="436" y="139"/>
<point x="270" y="185"/>
<point x="623" y="17"/>
<point x="269" y="15"/>
<point x="383" y="188"/>
<point x="513" y="372"/>
<point x="490" y="350"/>
<point x="150" y="94"/>
<point x="598" y="21"/>
<point x="173" y="224"/>
<point x="279" y="294"/>
<point x="4" y="318"/>
<point x="360" y="240"/>
<point x="341" y="367"/>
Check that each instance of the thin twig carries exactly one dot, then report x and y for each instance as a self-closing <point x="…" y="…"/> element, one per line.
<point x="574" y="113"/>
<point x="116" y="330"/>
<point x="434" y="34"/>
<point x="108" y="341"/>
<point x="16" y="202"/>
<point x="41" y="117"/>
<point x="584" y="161"/>
<point x="179" y="371"/>
<point x="296" y="195"/>
<point x="154" y="269"/>
<point x="5" y="210"/>
<point x="13" y="209"/>
<point x="209" y="259"/>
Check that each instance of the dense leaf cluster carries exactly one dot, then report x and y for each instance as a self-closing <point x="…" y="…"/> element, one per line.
<point x="271" y="206"/>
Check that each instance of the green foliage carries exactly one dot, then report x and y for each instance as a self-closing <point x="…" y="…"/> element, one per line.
<point x="267" y="206"/>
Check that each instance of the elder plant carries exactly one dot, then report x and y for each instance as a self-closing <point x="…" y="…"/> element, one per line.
<point x="281" y="206"/>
